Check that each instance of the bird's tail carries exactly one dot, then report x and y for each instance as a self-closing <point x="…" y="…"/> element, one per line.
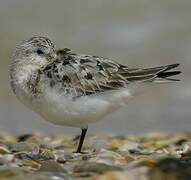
<point x="165" y="74"/>
<point x="158" y="74"/>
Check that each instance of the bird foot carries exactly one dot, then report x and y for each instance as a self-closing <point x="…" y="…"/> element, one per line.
<point x="81" y="152"/>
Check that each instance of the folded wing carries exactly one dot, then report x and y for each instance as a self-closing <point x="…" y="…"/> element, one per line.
<point x="85" y="74"/>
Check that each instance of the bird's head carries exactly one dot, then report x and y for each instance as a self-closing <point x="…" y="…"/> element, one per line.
<point x="37" y="51"/>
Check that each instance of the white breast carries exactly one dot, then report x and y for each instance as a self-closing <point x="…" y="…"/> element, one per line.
<point x="60" y="109"/>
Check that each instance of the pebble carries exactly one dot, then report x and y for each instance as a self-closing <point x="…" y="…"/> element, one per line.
<point x="11" y="172"/>
<point x="6" y="159"/>
<point x="51" y="166"/>
<point x="113" y="176"/>
<point x="63" y="158"/>
<point x="95" y="167"/>
<point x="171" y="168"/>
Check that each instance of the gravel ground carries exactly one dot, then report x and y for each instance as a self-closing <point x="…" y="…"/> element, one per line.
<point x="151" y="156"/>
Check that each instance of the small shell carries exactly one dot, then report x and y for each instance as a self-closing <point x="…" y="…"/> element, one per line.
<point x="109" y="157"/>
<point x="4" y="150"/>
<point x="6" y="159"/>
<point x="22" y="147"/>
<point x="32" y="164"/>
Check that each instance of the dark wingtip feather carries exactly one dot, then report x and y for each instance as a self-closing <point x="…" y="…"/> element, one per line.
<point x="172" y="66"/>
<point x="166" y="73"/>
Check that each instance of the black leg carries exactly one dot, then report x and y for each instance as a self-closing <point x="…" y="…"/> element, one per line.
<point x="83" y="134"/>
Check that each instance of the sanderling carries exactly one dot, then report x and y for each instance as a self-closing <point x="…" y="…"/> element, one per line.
<point x="72" y="89"/>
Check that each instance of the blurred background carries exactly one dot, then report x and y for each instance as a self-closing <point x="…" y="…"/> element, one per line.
<point x="137" y="33"/>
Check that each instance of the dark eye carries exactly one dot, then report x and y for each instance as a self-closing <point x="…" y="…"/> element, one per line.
<point x="39" y="52"/>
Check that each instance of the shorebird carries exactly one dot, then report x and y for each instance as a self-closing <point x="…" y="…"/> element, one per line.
<point x="72" y="89"/>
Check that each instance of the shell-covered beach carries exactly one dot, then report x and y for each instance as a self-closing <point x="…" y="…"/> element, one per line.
<point x="153" y="156"/>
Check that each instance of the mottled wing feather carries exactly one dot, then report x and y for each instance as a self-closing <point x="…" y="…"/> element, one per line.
<point x="85" y="74"/>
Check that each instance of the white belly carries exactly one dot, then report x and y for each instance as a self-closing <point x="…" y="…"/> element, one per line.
<point x="63" y="110"/>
